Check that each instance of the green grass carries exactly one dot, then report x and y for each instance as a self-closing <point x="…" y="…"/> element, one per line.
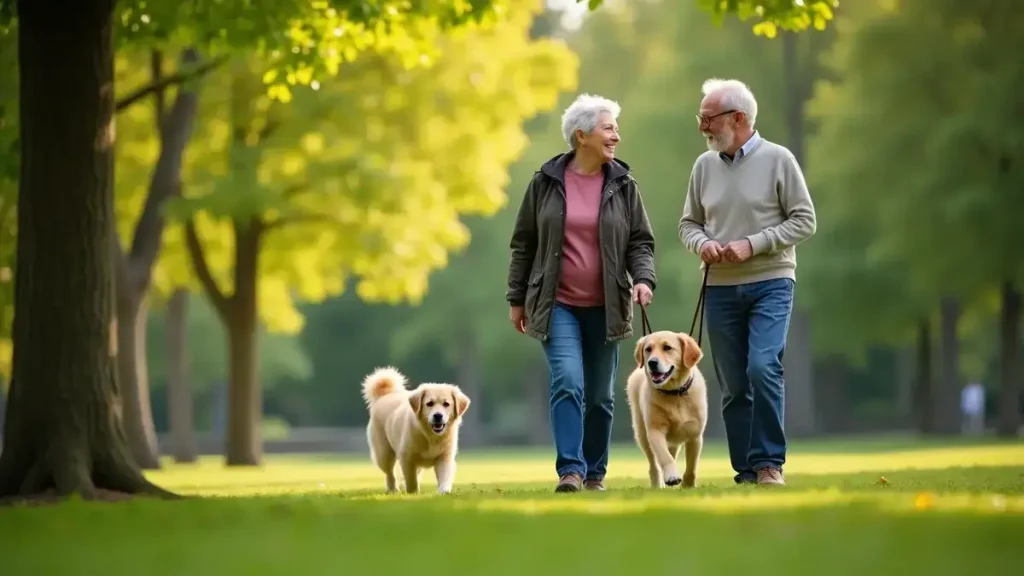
<point x="944" y="508"/>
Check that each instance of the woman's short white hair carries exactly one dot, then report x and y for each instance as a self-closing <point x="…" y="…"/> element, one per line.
<point x="735" y="95"/>
<point x="583" y="114"/>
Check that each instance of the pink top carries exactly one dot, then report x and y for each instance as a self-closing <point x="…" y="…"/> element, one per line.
<point x="581" y="282"/>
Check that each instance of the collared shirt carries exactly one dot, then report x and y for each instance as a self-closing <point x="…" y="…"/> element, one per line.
<point x="744" y="150"/>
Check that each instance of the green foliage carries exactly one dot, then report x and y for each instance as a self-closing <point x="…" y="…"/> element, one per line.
<point x="773" y="15"/>
<point x="367" y="175"/>
<point x="770" y="15"/>
<point x="913" y="167"/>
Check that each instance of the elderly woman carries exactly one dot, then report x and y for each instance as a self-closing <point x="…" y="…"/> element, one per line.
<point x="582" y="254"/>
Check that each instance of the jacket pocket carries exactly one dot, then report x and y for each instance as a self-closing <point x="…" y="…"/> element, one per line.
<point x="625" y="298"/>
<point x="533" y="290"/>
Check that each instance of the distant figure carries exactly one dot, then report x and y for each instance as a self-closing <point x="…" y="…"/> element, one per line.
<point x="580" y="229"/>
<point x="747" y="207"/>
<point x="972" y="409"/>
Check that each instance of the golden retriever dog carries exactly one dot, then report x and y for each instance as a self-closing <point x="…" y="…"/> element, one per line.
<point x="416" y="429"/>
<point x="668" y="405"/>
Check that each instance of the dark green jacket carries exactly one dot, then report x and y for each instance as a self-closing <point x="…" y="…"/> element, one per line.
<point x="626" y="244"/>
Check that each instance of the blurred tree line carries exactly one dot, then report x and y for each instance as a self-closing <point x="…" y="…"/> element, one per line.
<point x="885" y="335"/>
<point x="910" y="290"/>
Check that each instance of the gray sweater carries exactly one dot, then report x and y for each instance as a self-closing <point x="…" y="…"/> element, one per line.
<point x="761" y="196"/>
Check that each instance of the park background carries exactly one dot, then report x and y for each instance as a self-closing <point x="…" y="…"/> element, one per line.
<point x="386" y="196"/>
<point x="307" y="189"/>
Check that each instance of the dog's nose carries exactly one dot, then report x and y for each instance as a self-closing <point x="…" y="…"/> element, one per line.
<point x="652" y="364"/>
<point x="437" y="417"/>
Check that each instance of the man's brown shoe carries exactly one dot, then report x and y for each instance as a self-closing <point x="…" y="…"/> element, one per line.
<point x="594" y="485"/>
<point x="770" y="476"/>
<point x="569" y="483"/>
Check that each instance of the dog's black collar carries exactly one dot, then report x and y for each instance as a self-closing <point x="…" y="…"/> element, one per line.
<point x="681" y="391"/>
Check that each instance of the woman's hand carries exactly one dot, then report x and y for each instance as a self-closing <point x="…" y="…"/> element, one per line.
<point x="642" y="294"/>
<point x="517" y="315"/>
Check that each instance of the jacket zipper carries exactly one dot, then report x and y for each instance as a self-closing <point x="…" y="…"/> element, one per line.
<point x="558" y="256"/>
<point x="606" y="194"/>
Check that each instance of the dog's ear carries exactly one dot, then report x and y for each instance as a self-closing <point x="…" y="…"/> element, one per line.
<point x="638" y="352"/>
<point x="692" y="354"/>
<point x="462" y="402"/>
<point x="416" y="400"/>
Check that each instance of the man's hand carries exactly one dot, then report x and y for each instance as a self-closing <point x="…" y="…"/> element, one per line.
<point x="738" y="251"/>
<point x="711" y="252"/>
<point x="642" y="294"/>
<point x="517" y="315"/>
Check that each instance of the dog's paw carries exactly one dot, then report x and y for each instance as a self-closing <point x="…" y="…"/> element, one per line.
<point x="444" y="490"/>
<point x="673" y="480"/>
<point x="689" y="480"/>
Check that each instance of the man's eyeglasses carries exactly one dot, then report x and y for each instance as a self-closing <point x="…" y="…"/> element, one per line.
<point x="702" y="120"/>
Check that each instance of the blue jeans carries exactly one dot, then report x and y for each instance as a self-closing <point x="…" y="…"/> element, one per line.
<point x="583" y="368"/>
<point x="747" y="326"/>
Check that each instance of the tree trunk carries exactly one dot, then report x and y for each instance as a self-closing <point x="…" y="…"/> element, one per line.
<point x="924" y="410"/>
<point x="832" y="404"/>
<point x="798" y="366"/>
<point x="245" y="400"/>
<point x="1008" y="419"/>
<point x="63" y="431"/>
<point x="906" y="366"/>
<point x="468" y="379"/>
<point x="947" y="397"/>
<point x="179" y="387"/>
<point x="133" y="375"/>
<point x="135" y="268"/>
<point x="799" y="358"/>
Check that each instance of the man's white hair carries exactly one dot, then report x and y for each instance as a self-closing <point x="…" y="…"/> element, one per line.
<point x="735" y="96"/>
<point x="583" y="114"/>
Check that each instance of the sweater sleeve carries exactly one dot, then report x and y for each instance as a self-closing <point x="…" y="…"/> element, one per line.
<point x="795" y="200"/>
<point x="691" y="224"/>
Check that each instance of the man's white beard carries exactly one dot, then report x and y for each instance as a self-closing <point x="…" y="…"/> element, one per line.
<point x="721" y="142"/>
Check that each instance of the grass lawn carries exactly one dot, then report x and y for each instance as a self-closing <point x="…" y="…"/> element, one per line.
<point x="949" y="508"/>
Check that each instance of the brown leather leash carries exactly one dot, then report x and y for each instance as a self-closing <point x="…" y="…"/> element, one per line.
<point x="695" y="324"/>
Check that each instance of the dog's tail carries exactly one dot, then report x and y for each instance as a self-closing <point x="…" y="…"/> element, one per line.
<point x="381" y="382"/>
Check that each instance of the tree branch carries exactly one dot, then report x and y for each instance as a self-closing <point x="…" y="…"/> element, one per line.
<point x="175" y="132"/>
<point x="156" y="61"/>
<point x="167" y="81"/>
<point x="221" y="303"/>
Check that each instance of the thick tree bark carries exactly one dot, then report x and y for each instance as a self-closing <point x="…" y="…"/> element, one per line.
<point x="179" y="386"/>
<point x="135" y="268"/>
<point x="133" y="375"/>
<point x="63" y="431"/>
<point x="924" y="410"/>
<point x="947" y="397"/>
<point x="1008" y="419"/>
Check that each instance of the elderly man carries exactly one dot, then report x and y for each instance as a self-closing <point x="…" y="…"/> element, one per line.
<point x="746" y="209"/>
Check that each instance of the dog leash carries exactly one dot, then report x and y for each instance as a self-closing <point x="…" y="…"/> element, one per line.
<point x="701" y="304"/>
<point x="694" y="325"/>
